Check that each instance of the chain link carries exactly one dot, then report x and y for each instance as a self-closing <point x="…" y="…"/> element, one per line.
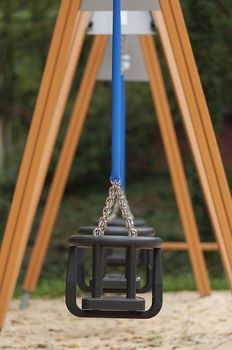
<point x="128" y="206"/>
<point x="116" y="195"/>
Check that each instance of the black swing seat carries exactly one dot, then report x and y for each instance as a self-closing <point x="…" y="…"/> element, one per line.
<point x="117" y="303"/>
<point x="99" y="305"/>
<point x="118" y="231"/>
<point x="115" y="241"/>
<point x="116" y="257"/>
<point x="116" y="282"/>
<point x="121" y="222"/>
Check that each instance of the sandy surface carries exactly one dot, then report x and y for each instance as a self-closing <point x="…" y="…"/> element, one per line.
<point x="185" y="322"/>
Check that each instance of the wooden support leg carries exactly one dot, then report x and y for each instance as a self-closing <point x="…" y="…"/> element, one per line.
<point x="203" y="108"/>
<point x="64" y="164"/>
<point x="186" y="116"/>
<point x="34" y="131"/>
<point x="206" y="246"/>
<point x="175" y="164"/>
<point x="198" y="142"/>
<point x="45" y="130"/>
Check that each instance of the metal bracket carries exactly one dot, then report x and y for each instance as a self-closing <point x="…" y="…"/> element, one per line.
<point x="129" y="5"/>
<point x="133" y="22"/>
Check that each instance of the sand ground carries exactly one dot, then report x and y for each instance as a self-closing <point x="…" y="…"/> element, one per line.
<point x="185" y="322"/>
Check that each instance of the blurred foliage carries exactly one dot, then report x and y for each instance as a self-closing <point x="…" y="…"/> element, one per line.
<point x="25" y="33"/>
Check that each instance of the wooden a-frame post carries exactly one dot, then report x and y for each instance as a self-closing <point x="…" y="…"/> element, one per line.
<point x="199" y="140"/>
<point x="56" y="82"/>
<point x="64" y="164"/>
<point x="175" y="165"/>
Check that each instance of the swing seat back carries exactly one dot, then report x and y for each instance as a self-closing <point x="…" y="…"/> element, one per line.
<point x="99" y="305"/>
<point x="116" y="257"/>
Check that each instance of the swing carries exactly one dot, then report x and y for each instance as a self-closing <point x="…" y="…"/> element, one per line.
<point x="116" y="257"/>
<point x="98" y="304"/>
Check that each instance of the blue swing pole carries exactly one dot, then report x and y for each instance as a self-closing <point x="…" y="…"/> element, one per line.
<point x="123" y="133"/>
<point x="116" y="94"/>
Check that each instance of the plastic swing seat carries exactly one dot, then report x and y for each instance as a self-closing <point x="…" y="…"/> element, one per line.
<point x="99" y="305"/>
<point x="118" y="231"/>
<point x="111" y="282"/>
<point x="116" y="257"/>
<point x="116" y="282"/>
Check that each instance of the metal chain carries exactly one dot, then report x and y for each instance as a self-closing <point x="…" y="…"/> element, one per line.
<point x="107" y="210"/>
<point x="116" y="194"/>
<point x="128" y="206"/>
<point x="126" y="213"/>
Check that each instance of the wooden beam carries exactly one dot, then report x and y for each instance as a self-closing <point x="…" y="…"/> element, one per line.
<point x="203" y="109"/>
<point x="197" y="138"/>
<point x="64" y="164"/>
<point x="206" y="246"/>
<point x="175" y="164"/>
<point x="33" y="134"/>
<point x="33" y="170"/>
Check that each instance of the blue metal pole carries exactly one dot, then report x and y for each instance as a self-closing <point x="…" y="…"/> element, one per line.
<point x="123" y="134"/>
<point x="116" y="94"/>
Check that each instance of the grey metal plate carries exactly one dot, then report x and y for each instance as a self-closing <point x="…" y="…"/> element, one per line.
<point x="133" y="22"/>
<point x="130" y="5"/>
<point x="137" y="72"/>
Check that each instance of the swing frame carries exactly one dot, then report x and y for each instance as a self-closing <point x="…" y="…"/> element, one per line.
<point x="59" y="71"/>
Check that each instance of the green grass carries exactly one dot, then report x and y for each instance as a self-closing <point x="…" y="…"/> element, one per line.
<point x="53" y="288"/>
<point x="186" y="282"/>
